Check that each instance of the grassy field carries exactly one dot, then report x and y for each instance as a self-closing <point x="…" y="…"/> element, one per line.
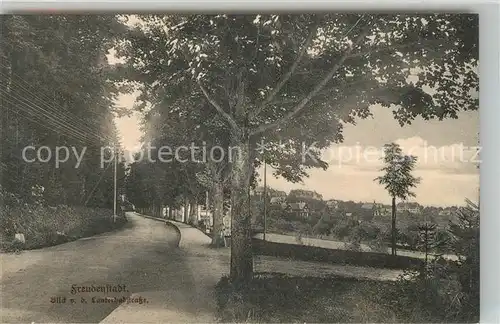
<point x="263" y="263"/>
<point x="282" y="298"/>
<point x="336" y="245"/>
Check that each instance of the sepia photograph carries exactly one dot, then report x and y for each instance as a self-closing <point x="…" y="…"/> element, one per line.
<point x="239" y="168"/>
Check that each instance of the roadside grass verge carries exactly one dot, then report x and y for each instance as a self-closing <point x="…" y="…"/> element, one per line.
<point x="272" y="298"/>
<point x="334" y="256"/>
<point x="45" y="226"/>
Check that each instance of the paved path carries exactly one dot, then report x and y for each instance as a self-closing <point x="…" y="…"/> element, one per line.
<point x="142" y="257"/>
<point x="174" y="284"/>
<point x="203" y="266"/>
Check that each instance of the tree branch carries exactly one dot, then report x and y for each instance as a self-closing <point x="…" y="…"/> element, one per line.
<point x="420" y="43"/>
<point x="219" y="109"/>
<point x="284" y="101"/>
<point x="297" y="100"/>
<point x="289" y="73"/>
<point x="316" y="89"/>
<point x="240" y="94"/>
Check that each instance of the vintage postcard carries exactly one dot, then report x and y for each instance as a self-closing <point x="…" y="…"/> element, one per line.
<point x="263" y="168"/>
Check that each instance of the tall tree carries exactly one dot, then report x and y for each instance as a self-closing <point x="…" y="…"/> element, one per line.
<point x="271" y="77"/>
<point x="55" y="92"/>
<point x="397" y="180"/>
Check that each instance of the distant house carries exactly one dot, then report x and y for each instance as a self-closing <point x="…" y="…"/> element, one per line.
<point x="384" y="210"/>
<point x="300" y="209"/>
<point x="369" y="206"/>
<point x="305" y="194"/>
<point x="368" y="211"/>
<point x="277" y="200"/>
<point x="412" y="208"/>
<point x="378" y="209"/>
<point x="277" y="193"/>
<point x="445" y="212"/>
<point x="448" y="211"/>
<point x="258" y="191"/>
<point x="333" y="204"/>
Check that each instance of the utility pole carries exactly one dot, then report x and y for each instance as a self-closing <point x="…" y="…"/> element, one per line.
<point x="207" y="209"/>
<point x="114" y="183"/>
<point x="265" y="201"/>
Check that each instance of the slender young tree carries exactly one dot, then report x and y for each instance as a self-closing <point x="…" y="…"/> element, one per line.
<point x="397" y="180"/>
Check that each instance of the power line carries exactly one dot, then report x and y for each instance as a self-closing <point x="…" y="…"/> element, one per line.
<point x="47" y="121"/>
<point x="45" y="95"/>
<point x="44" y="125"/>
<point x="64" y="128"/>
<point x="63" y="122"/>
<point x="47" y="98"/>
<point x="40" y="112"/>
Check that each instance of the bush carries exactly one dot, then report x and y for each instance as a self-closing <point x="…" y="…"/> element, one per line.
<point x="437" y="295"/>
<point x="341" y="230"/>
<point x="445" y="238"/>
<point x="446" y="290"/>
<point x="280" y="298"/>
<point x="368" y="231"/>
<point x="353" y="245"/>
<point x="465" y="243"/>
<point x="379" y="244"/>
<point x="321" y="228"/>
<point x="408" y="238"/>
<point x="46" y="226"/>
<point x="314" y="218"/>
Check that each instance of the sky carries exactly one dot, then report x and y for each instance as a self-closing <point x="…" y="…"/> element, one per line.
<point x="446" y="152"/>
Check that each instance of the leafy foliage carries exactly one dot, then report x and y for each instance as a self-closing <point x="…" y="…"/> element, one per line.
<point x="55" y="92"/>
<point x="447" y="291"/>
<point x="268" y="78"/>
<point x="465" y="243"/>
<point x="397" y="178"/>
<point x="44" y="226"/>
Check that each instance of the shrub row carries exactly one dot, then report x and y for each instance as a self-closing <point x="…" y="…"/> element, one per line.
<point x="44" y="226"/>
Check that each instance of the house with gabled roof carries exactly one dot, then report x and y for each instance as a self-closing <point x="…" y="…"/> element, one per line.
<point x="300" y="209"/>
<point x="410" y="207"/>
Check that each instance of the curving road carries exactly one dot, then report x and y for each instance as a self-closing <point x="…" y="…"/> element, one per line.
<point x="143" y="257"/>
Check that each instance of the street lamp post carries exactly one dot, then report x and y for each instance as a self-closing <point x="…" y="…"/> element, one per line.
<point x="265" y="201"/>
<point x="114" y="184"/>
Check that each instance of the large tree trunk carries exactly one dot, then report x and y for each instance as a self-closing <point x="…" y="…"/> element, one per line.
<point x="193" y="209"/>
<point x="170" y="212"/>
<point x="218" y="213"/>
<point x="241" y="270"/>
<point x="185" y="215"/>
<point x="393" y="227"/>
